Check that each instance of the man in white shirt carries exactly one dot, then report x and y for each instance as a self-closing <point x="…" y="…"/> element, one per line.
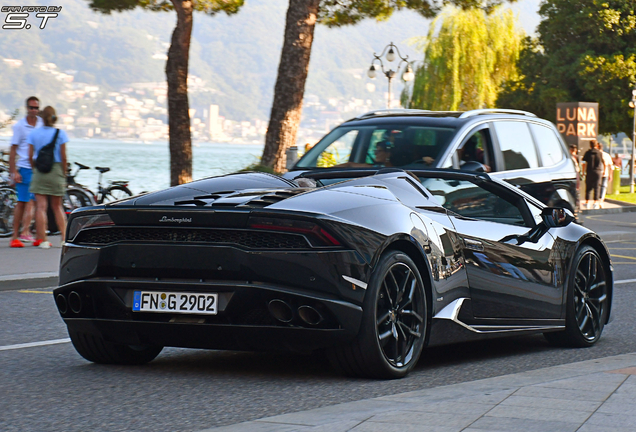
<point x="20" y="169"/>
<point x="608" y="171"/>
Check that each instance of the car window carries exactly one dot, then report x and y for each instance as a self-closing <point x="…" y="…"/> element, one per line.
<point x="516" y="145"/>
<point x="470" y="200"/>
<point x="548" y="144"/>
<point x="338" y="151"/>
<point x="407" y="145"/>
<point x="476" y="148"/>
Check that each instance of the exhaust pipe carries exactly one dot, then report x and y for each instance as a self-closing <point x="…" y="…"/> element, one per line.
<point x="75" y="302"/>
<point x="280" y="310"/>
<point x="309" y="315"/>
<point x="60" y="301"/>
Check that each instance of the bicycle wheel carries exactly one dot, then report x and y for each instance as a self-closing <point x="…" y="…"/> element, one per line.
<point x="8" y="201"/>
<point x="76" y="198"/>
<point x="116" y="193"/>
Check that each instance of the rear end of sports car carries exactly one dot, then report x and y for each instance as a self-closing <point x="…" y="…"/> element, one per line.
<point x="238" y="278"/>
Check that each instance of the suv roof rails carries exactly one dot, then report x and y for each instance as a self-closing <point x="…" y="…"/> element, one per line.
<point x="495" y="111"/>
<point x="393" y="111"/>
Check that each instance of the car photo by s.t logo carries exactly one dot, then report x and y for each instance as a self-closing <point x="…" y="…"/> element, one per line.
<point x="18" y="16"/>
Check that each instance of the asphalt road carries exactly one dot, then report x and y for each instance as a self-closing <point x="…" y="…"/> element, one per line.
<point x="51" y="388"/>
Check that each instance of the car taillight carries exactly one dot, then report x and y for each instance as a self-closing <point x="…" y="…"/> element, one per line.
<point x="316" y="234"/>
<point x="90" y="221"/>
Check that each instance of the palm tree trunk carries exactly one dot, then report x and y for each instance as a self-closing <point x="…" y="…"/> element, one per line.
<point x="290" y="83"/>
<point x="178" y="106"/>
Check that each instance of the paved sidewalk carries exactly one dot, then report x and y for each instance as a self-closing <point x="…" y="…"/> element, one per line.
<point x="29" y="267"/>
<point x="594" y="395"/>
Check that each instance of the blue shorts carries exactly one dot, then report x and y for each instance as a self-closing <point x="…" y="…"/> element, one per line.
<point x="23" y="188"/>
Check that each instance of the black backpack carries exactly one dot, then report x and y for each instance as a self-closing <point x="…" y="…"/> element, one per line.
<point x="46" y="156"/>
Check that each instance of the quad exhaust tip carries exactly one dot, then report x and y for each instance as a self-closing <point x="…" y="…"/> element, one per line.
<point x="281" y="310"/>
<point x="61" y="303"/>
<point x="309" y="315"/>
<point x="75" y="302"/>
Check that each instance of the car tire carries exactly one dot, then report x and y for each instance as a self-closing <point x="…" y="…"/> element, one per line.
<point x="394" y="323"/>
<point x="587" y="303"/>
<point x="95" y="349"/>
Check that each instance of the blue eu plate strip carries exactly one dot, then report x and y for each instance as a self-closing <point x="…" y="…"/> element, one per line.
<point x="137" y="301"/>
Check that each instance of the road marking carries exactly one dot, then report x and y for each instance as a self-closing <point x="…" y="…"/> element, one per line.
<point x="617" y="248"/>
<point x="35" y="292"/>
<point x="623" y="256"/>
<point x="34" y="344"/>
<point x="624" y="281"/>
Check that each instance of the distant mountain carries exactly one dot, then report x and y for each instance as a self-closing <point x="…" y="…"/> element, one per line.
<point x="237" y="57"/>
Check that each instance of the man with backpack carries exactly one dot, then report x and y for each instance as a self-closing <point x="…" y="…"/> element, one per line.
<point x="21" y="172"/>
<point x="593" y="168"/>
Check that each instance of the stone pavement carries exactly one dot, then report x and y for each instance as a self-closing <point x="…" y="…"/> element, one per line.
<point x="29" y="267"/>
<point x="595" y="395"/>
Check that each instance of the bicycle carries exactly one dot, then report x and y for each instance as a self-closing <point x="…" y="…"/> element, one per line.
<point x="8" y="201"/>
<point x="115" y="190"/>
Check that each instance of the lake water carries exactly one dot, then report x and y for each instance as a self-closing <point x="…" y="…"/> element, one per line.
<point x="146" y="166"/>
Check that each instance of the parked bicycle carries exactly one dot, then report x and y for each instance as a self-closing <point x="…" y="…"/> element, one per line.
<point x="114" y="191"/>
<point x="8" y="201"/>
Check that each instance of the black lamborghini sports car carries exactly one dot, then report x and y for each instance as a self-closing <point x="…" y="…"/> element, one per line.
<point x="370" y="266"/>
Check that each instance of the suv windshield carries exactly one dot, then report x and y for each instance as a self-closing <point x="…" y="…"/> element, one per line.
<point x="391" y="145"/>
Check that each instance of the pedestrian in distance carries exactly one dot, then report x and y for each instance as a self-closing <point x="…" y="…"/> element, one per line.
<point x="21" y="172"/>
<point x="51" y="184"/>
<point x="608" y="171"/>
<point x="574" y="154"/>
<point x="593" y="168"/>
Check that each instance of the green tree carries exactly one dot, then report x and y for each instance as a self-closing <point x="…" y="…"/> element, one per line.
<point x="468" y="54"/>
<point x="176" y="69"/>
<point x="585" y="51"/>
<point x="302" y="16"/>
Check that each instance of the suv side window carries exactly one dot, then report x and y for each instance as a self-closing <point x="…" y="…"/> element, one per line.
<point x="548" y="144"/>
<point x="338" y="151"/>
<point x="516" y="144"/>
<point x="476" y="148"/>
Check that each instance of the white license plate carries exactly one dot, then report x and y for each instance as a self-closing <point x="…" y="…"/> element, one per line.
<point x="175" y="302"/>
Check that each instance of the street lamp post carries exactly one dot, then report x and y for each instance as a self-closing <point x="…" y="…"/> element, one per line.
<point x="632" y="104"/>
<point x="390" y="73"/>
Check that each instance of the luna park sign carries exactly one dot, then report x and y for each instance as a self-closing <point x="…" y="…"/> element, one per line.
<point x="577" y="121"/>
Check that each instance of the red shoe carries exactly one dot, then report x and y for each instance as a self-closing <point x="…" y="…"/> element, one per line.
<point x="16" y="243"/>
<point x="37" y="242"/>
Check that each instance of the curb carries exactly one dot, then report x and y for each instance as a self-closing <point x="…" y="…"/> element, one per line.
<point x="28" y="280"/>
<point x="624" y="208"/>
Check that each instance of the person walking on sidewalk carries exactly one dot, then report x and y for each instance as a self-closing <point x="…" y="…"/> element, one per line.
<point x="21" y="172"/>
<point x="51" y="184"/>
<point x="593" y="168"/>
<point x="608" y="171"/>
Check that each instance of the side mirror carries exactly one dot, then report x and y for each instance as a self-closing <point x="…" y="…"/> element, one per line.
<point x="556" y="217"/>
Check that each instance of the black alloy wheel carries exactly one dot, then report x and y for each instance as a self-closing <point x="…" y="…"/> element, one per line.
<point x="587" y="301"/>
<point x="394" y="325"/>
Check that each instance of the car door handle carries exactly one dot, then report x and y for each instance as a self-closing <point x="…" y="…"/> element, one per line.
<point x="475" y="245"/>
